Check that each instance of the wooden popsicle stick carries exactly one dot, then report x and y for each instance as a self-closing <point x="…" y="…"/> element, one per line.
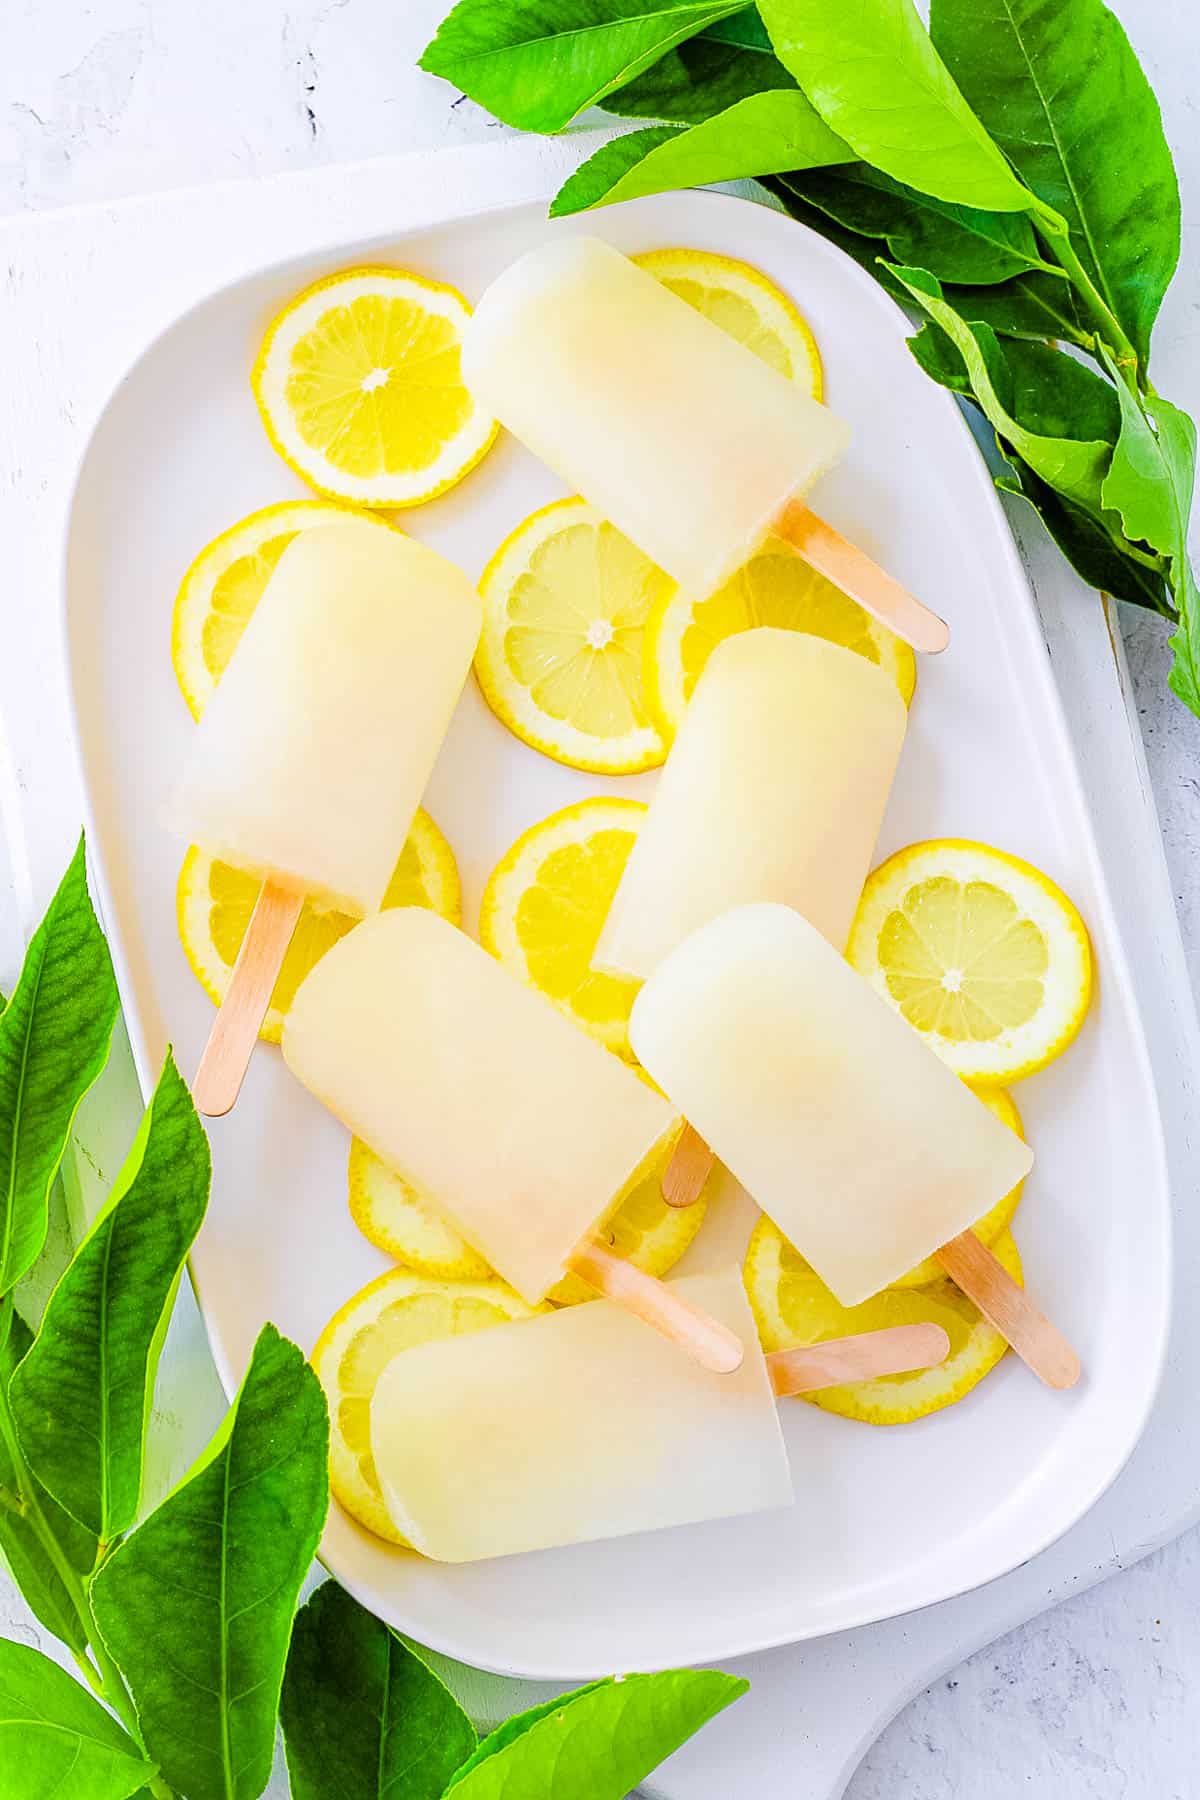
<point x="235" y="1029"/>
<point x="688" y="1170"/>
<point x="1003" y="1304"/>
<point x="705" y="1340"/>
<point x="851" y="569"/>
<point x="894" y="1351"/>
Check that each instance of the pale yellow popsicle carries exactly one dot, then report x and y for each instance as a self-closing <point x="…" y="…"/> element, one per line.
<point x="312" y="755"/>
<point x="774" y="790"/>
<point x="681" y="436"/>
<point x="524" y="1130"/>
<point x="575" y="1425"/>
<point x="865" y="1149"/>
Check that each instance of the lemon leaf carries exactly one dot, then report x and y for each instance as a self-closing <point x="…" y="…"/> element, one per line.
<point x="764" y="134"/>
<point x="55" y="1739"/>
<point x="54" y="1040"/>
<point x="362" y="1714"/>
<point x="600" y="1741"/>
<point x="196" y="1606"/>
<point x="81" y="1397"/>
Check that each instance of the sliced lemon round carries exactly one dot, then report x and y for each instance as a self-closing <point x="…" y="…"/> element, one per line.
<point x="792" y="1306"/>
<point x="393" y="1215"/>
<point x="214" y="901"/>
<point x="983" y="955"/>
<point x="546" y="901"/>
<point x="1000" y="1216"/>
<point x="774" y="588"/>
<point x="224" y="584"/>
<point x="745" y="303"/>
<point x="391" y="1314"/>
<point x="565" y="603"/>
<point x="359" y="385"/>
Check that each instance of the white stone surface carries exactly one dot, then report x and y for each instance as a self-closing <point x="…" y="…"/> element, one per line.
<point x="100" y="98"/>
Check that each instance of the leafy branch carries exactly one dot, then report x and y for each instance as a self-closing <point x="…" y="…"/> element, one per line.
<point x="182" y="1621"/>
<point x="1004" y="174"/>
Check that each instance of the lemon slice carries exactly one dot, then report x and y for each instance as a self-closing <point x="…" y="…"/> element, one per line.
<point x="1000" y="1216"/>
<point x="774" y="588"/>
<point x="391" y="1314"/>
<point x="394" y="1216"/>
<point x="979" y="951"/>
<point x="213" y="903"/>
<point x="359" y="384"/>
<point x="546" y="901"/>
<point x="792" y="1306"/>
<point x="565" y="603"/>
<point x="224" y="584"/>
<point x="745" y="303"/>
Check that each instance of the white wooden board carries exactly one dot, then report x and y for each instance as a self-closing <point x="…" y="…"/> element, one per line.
<point x="813" y="1709"/>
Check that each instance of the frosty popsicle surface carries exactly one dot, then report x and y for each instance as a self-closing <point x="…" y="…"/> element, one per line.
<point x="865" y="1149"/>
<point x="774" y="790"/>
<point x="681" y="436"/>
<point x="575" y="1425"/>
<point x="524" y="1130"/>
<point x="311" y="757"/>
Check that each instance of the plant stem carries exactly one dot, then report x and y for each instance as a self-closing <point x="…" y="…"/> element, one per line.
<point x="1056" y="232"/>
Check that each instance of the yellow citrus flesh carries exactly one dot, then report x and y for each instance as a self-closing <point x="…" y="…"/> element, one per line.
<point x="565" y="603"/>
<point x="773" y="588"/>
<point x="792" y="1306"/>
<point x="394" y="1313"/>
<point x="546" y="901"/>
<point x="999" y="1217"/>
<point x="745" y="303"/>
<point x="224" y="583"/>
<point x="982" y="953"/>
<point x="393" y="1215"/>
<point x="359" y="386"/>
<point x="214" y="902"/>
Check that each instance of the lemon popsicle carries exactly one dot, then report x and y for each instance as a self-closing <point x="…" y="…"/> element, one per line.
<point x="523" y="1129"/>
<point x="691" y="444"/>
<point x="576" y="1425"/>
<point x="311" y="757"/>
<point x="774" y="790"/>
<point x="862" y="1146"/>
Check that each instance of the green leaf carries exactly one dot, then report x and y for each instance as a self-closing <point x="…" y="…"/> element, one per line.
<point x="729" y="62"/>
<point x="1106" y="562"/>
<point x="1045" y="390"/>
<point x="537" y="63"/>
<point x="599" y="1742"/>
<point x="875" y="78"/>
<point x="56" y="1742"/>
<point x="510" y="1729"/>
<point x="1028" y="306"/>
<point x="1073" y="467"/>
<point x="196" y="1606"/>
<point x="32" y="1567"/>
<point x="759" y="136"/>
<point x="54" y="1039"/>
<point x="955" y="243"/>
<point x="363" y="1717"/>
<point x="82" y="1396"/>
<point x="1060" y="89"/>
<point x="1151" y="484"/>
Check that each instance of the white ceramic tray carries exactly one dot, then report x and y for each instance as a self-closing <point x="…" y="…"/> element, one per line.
<point x="884" y="1522"/>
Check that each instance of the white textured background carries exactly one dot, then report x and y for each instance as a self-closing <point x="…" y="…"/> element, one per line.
<point x="99" y="98"/>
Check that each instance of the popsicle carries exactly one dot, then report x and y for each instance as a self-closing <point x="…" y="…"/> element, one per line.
<point x="774" y="790"/>
<point x="581" y="1424"/>
<point x="524" y="1130"/>
<point x="865" y="1149"/>
<point x="691" y="444"/>
<point x="311" y="758"/>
